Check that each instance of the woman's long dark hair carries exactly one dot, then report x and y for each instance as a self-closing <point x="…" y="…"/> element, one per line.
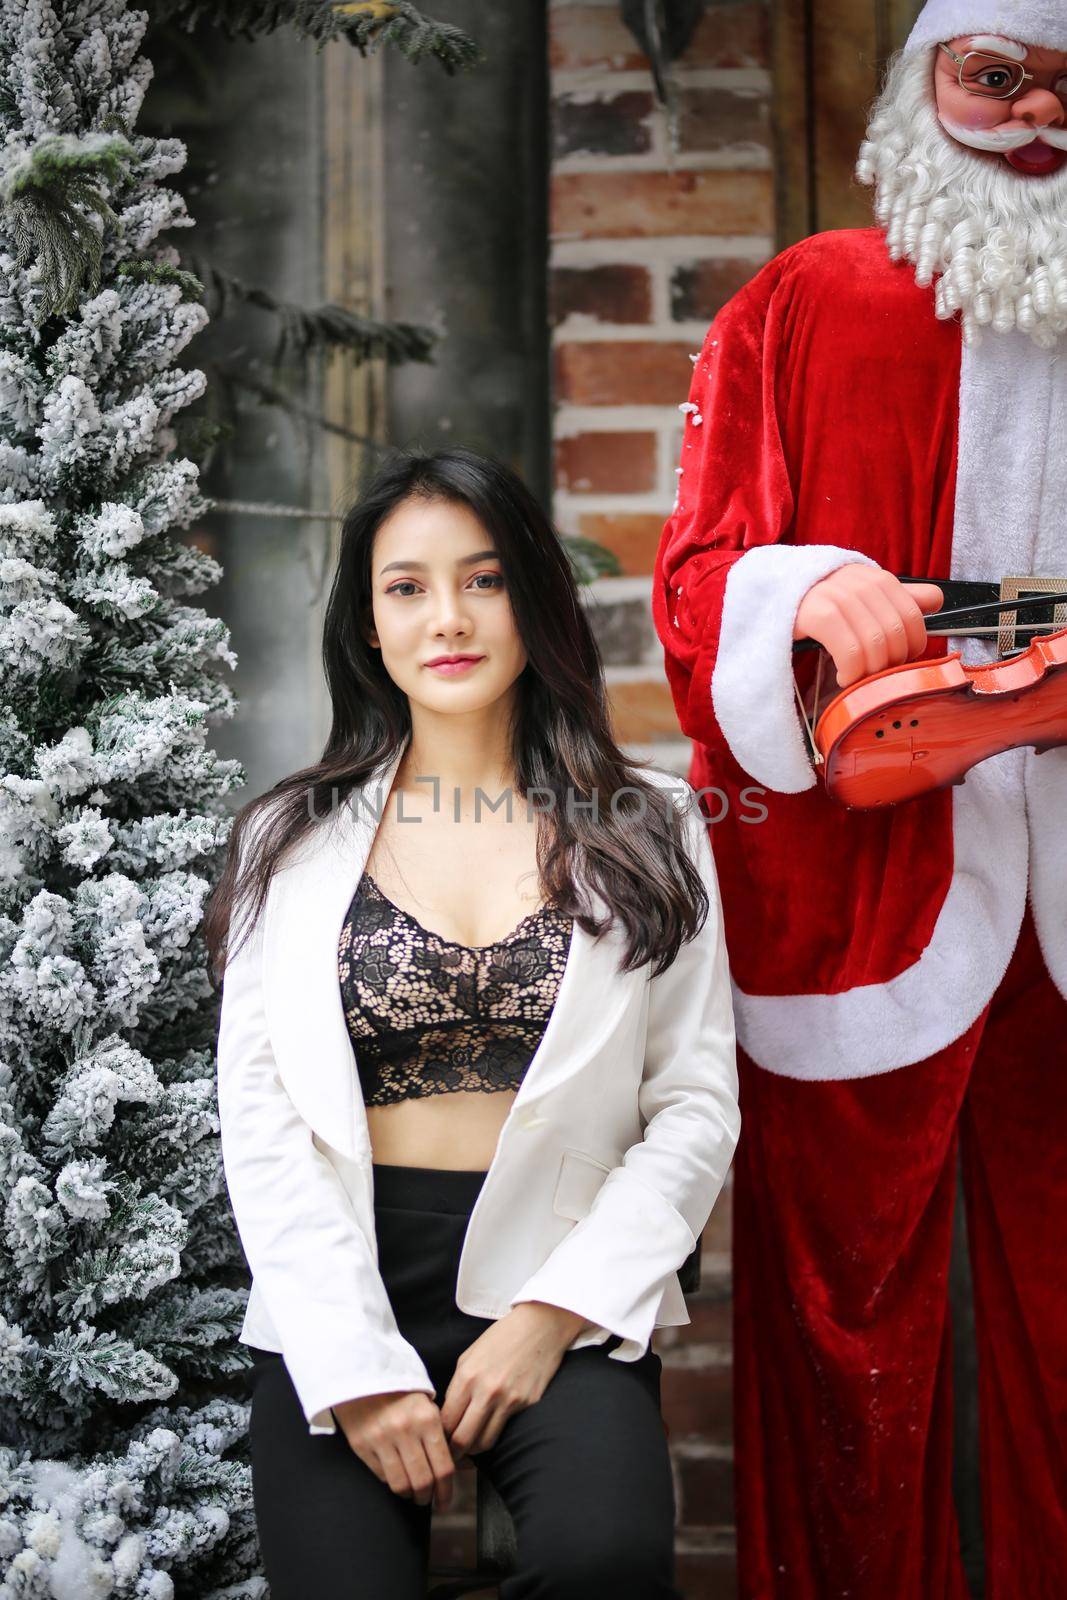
<point x="561" y="739"/>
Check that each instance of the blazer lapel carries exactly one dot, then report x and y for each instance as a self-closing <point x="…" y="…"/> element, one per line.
<point x="313" y="1049"/>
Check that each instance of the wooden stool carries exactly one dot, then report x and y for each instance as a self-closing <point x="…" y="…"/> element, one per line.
<point x="495" y="1548"/>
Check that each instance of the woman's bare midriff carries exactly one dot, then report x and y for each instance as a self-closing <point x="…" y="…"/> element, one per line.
<point x="455" y="1132"/>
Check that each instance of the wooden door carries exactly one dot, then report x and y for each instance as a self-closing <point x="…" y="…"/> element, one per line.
<point x="828" y="58"/>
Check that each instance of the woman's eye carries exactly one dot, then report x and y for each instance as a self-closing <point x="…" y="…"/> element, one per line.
<point x="496" y="579"/>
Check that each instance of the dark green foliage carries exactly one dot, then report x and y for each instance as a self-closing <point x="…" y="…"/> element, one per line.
<point x="366" y="24"/>
<point x="47" y="196"/>
<point x="329" y="327"/>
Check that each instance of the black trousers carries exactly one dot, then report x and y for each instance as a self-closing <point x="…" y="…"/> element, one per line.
<point x="584" y="1471"/>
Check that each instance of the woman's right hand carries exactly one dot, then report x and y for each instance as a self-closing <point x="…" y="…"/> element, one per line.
<point x="401" y="1439"/>
<point x="866" y="618"/>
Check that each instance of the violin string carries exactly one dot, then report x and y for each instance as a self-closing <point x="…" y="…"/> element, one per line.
<point x="816" y="706"/>
<point x="981" y="633"/>
<point x="1023" y="602"/>
<point x="951" y="633"/>
<point x="815" y="755"/>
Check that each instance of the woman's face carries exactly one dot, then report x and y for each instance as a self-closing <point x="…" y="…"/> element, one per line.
<point x="438" y="591"/>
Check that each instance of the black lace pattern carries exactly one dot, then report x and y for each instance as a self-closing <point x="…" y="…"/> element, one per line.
<point x="429" y="1016"/>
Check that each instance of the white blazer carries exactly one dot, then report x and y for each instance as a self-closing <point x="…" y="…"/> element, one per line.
<point x="606" y="1170"/>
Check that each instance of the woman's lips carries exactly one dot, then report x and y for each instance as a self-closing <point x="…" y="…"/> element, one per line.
<point x="1037" y="158"/>
<point x="450" y="668"/>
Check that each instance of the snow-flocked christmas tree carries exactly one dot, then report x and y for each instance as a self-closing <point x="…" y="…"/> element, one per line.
<point x="122" y="1421"/>
<point x="123" y="1414"/>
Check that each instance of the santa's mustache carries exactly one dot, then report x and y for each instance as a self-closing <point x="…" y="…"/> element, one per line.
<point x="1006" y="137"/>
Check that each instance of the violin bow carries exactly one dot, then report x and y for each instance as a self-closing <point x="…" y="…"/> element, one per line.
<point x="1027" y="600"/>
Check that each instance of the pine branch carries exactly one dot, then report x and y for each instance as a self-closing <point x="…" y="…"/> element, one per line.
<point x="144" y="270"/>
<point x="329" y="327"/>
<point x="45" y="191"/>
<point x="244" y="378"/>
<point x="366" y="24"/>
<point x="408" y="31"/>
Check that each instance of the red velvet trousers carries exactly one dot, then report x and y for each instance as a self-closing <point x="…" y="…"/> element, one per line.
<point x="843" y="1204"/>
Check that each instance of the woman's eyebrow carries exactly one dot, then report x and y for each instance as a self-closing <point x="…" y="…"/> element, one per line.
<point x="461" y="561"/>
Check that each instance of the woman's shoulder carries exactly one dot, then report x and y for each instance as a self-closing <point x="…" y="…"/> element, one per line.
<point x="673" y="786"/>
<point x="693" y="822"/>
<point x="259" y="818"/>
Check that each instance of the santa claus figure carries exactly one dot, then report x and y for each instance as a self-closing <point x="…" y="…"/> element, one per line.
<point x="881" y="402"/>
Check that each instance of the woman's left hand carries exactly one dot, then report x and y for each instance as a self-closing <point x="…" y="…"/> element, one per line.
<point x="505" y="1370"/>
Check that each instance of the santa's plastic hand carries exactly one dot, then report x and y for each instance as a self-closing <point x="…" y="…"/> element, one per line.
<point x="867" y="619"/>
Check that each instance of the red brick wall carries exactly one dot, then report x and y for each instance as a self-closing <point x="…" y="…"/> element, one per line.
<point x="646" y="244"/>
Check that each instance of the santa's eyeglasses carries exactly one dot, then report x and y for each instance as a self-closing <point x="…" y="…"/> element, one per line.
<point x="995" y="77"/>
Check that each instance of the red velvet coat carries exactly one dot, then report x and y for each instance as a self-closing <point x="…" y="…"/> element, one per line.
<point x="822" y="426"/>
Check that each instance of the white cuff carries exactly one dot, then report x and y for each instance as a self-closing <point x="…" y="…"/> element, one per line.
<point x="752" y="685"/>
<point x="380" y="1365"/>
<point x="613" y="1266"/>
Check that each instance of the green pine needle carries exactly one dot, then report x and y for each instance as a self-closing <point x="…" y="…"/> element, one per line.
<point x="145" y="271"/>
<point x="366" y="24"/>
<point x="328" y="327"/>
<point x="52" y="197"/>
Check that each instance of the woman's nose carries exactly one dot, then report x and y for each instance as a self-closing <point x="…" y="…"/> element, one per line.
<point x="450" y="613"/>
<point x="1040" y="108"/>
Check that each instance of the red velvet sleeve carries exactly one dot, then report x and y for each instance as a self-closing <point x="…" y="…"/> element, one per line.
<point x="728" y="577"/>
<point x="733" y="492"/>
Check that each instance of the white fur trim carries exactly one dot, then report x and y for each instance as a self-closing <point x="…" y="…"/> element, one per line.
<point x="1046" y="775"/>
<point x="1010" y="518"/>
<point x="1008" y="816"/>
<point x="882" y="1026"/>
<point x="1037" y="22"/>
<point x="752" y="685"/>
<point x="1011" y="490"/>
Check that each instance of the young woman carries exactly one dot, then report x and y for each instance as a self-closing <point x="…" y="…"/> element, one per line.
<point x="476" y="1069"/>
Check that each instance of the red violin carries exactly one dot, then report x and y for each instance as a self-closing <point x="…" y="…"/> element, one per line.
<point x="924" y="724"/>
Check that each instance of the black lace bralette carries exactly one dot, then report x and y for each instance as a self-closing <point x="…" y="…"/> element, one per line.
<point x="427" y="1015"/>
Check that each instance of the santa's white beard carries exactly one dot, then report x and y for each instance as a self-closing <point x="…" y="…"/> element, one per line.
<point x="997" y="238"/>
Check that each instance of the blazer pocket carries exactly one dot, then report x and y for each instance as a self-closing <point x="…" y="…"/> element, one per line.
<point x="579" y="1181"/>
